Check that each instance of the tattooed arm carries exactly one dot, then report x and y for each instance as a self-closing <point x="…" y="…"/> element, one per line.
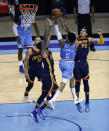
<point x="26" y="62"/>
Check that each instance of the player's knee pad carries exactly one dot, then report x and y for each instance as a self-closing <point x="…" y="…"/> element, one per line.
<point x="86" y="85"/>
<point x="65" y="80"/>
<point x="77" y="85"/>
<point x="29" y="87"/>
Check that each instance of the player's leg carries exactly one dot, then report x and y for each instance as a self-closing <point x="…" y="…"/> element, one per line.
<point x="50" y="96"/>
<point x="85" y="76"/>
<point x="20" y="53"/>
<point x="37" y="108"/>
<point x="20" y="58"/>
<point x="66" y="76"/>
<point x="77" y="77"/>
<point x="46" y="86"/>
<point x="30" y="82"/>
<point x="76" y="100"/>
<point x="86" y="90"/>
<point x="77" y="87"/>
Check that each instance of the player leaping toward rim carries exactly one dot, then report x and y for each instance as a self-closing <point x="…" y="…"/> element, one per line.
<point x="66" y="64"/>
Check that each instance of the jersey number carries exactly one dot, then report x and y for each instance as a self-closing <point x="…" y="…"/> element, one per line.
<point x="67" y="55"/>
<point x="84" y="45"/>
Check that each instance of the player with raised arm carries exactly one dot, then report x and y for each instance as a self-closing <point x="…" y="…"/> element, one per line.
<point x="33" y="68"/>
<point x="81" y="69"/>
<point x="66" y="64"/>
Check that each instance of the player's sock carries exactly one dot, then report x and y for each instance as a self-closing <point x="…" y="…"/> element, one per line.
<point x="73" y="93"/>
<point x="52" y="101"/>
<point x="43" y="106"/>
<point x="58" y="93"/>
<point x="21" y="67"/>
<point x="21" y="63"/>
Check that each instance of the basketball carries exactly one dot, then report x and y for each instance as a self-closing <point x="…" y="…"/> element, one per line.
<point x="57" y="13"/>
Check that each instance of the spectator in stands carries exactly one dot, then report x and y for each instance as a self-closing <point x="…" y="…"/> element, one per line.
<point x="83" y="17"/>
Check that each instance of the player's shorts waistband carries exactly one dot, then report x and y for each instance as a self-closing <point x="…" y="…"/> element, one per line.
<point x="67" y="60"/>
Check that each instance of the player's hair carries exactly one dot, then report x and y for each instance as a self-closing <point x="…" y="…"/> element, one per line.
<point x="71" y="36"/>
<point x="40" y="37"/>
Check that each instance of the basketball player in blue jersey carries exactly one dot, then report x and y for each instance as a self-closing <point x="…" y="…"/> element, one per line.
<point x="81" y="69"/>
<point x="23" y="33"/>
<point x="66" y="64"/>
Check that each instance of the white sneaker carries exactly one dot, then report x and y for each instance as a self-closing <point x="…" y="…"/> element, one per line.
<point x="77" y="100"/>
<point x="51" y="104"/>
<point x="26" y="99"/>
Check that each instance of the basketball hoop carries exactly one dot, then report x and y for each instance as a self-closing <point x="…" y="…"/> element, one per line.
<point x="28" y="11"/>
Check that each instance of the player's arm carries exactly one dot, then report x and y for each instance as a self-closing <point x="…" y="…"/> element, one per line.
<point x="11" y="12"/>
<point x="75" y="11"/>
<point x="36" y="29"/>
<point x="47" y="34"/>
<point x="92" y="10"/>
<point x="65" y="25"/>
<point x="58" y="34"/>
<point x="100" y="41"/>
<point x="77" y="44"/>
<point x="26" y="62"/>
<point x="16" y="32"/>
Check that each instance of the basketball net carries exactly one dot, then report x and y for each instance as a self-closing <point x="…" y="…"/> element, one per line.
<point x="28" y="11"/>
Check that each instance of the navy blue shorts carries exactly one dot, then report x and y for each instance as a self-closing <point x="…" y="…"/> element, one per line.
<point x="81" y="70"/>
<point x="33" y="74"/>
<point x="49" y="83"/>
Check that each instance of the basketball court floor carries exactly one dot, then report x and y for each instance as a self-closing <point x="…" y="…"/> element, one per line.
<point x="14" y="114"/>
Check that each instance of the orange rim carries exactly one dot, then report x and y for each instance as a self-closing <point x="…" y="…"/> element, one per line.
<point x="21" y="7"/>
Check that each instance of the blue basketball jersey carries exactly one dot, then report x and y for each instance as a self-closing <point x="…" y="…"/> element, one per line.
<point x="82" y="50"/>
<point x="68" y="52"/>
<point x="24" y="28"/>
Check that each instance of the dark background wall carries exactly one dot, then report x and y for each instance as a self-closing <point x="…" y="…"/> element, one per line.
<point x="45" y="6"/>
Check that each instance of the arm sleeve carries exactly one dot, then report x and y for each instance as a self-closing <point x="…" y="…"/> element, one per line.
<point x="15" y="29"/>
<point x="101" y="40"/>
<point x="58" y="34"/>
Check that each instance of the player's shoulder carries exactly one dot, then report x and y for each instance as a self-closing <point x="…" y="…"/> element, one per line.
<point x="30" y="51"/>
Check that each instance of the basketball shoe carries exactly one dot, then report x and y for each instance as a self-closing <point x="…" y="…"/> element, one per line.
<point x="79" y="108"/>
<point x="87" y="108"/>
<point x="33" y="114"/>
<point x="21" y="69"/>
